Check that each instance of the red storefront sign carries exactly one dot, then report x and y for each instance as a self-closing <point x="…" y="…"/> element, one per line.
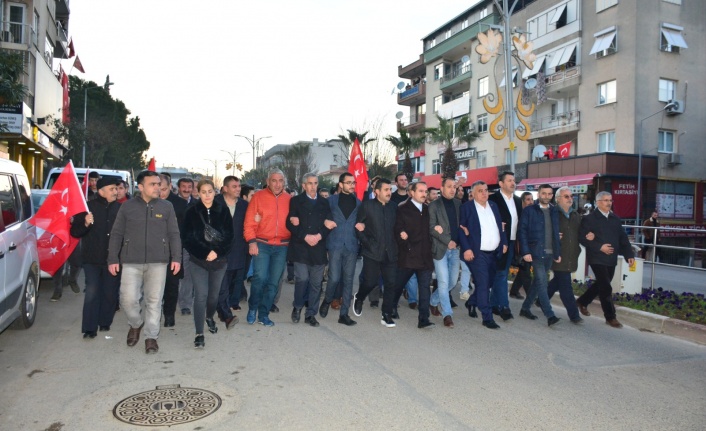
<point x="624" y="198"/>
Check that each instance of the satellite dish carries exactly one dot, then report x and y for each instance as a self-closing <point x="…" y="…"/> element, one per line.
<point x="530" y="83"/>
<point x="399" y="115"/>
<point x="538" y="152"/>
<point x="400" y="85"/>
<point x="465" y="59"/>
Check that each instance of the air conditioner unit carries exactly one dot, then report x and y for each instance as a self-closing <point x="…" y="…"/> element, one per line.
<point x="674" y="159"/>
<point x="675" y="107"/>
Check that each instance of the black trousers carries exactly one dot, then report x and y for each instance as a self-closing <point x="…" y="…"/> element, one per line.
<point x="423" y="290"/>
<point x="601" y="288"/>
<point x="100" y="300"/>
<point x="171" y="293"/>
<point x="523" y="279"/>
<point x="372" y="269"/>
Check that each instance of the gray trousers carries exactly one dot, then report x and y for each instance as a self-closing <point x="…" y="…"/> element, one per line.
<point x="186" y="284"/>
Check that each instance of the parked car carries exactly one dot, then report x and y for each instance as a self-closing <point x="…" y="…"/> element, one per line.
<point x="19" y="260"/>
<point x="38" y="198"/>
<point x="81" y="172"/>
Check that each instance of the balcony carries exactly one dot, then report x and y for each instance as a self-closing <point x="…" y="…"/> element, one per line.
<point x="564" y="122"/>
<point x="453" y="46"/>
<point x="563" y="79"/>
<point x="17" y="36"/>
<point x="413" y="95"/>
<point x="62" y="9"/>
<point x="412" y="70"/>
<point x="411" y="123"/>
<point x="458" y="78"/>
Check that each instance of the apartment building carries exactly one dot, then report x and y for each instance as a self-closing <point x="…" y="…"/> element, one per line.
<point x="616" y="78"/>
<point x="38" y="30"/>
<point x="324" y="157"/>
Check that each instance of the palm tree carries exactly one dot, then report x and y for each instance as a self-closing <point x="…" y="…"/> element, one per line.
<point x="404" y="144"/>
<point x="347" y="142"/>
<point x="447" y="133"/>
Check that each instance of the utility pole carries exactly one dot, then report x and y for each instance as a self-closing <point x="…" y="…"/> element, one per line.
<point x="255" y="145"/>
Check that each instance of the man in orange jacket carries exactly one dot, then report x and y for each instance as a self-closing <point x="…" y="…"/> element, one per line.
<point x="267" y="236"/>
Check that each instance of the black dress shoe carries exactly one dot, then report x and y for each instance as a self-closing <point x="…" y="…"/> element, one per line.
<point x="104" y="328"/>
<point x="323" y="310"/>
<point x="506" y="314"/>
<point x="311" y="320"/>
<point x="274" y="309"/>
<point x="490" y="324"/>
<point x="451" y="300"/>
<point x="296" y="315"/>
<point x="516" y="296"/>
<point x="528" y="314"/>
<point x="425" y="324"/>
<point x="472" y="311"/>
<point x="496" y="311"/>
<point x="374" y="304"/>
<point x="169" y="321"/>
<point x="89" y="334"/>
<point x="199" y="342"/>
<point x="346" y="320"/>
<point x="212" y="328"/>
<point x="395" y="314"/>
<point x="552" y="320"/>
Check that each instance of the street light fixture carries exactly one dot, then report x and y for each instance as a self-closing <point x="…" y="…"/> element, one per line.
<point x="639" y="162"/>
<point x="85" y="105"/>
<point x="254" y="143"/>
<point x="234" y="155"/>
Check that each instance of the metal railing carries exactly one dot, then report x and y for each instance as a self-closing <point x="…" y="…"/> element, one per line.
<point x="12" y="32"/>
<point x="563" y="75"/>
<point x="653" y="246"/>
<point x="554" y="121"/>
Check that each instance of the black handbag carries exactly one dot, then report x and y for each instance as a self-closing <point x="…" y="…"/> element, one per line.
<point x="211" y="234"/>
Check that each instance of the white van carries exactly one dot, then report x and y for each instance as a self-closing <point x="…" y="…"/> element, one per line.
<point x="81" y="172"/>
<point x="19" y="260"/>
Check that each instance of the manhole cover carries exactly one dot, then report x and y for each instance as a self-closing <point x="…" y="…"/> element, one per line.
<point x="166" y="406"/>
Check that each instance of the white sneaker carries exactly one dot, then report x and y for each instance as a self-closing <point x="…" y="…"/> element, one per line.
<point x="465" y="295"/>
<point x="550" y="275"/>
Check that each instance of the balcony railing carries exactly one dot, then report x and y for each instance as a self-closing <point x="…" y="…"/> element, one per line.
<point x="554" y="121"/>
<point x="411" y="123"/>
<point x="563" y="75"/>
<point x="413" y="94"/>
<point x="12" y="32"/>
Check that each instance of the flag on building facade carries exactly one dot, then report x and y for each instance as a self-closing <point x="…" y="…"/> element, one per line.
<point x="53" y="220"/>
<point x="78" y="65"/>
<point x="564" y="150"/>
<point x="356" y="166"/>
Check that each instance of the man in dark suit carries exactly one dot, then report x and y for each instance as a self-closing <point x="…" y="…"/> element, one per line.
<point x="510" y="208"/>
<point x="602" y="255"/>
<point x="171" y="284"/>
<point x="414" y="248"/>
<point x="238" y="256"/>
<point x="482" y="245"/>
<point x="308" y="213"/>
<point x="444" y="219"/>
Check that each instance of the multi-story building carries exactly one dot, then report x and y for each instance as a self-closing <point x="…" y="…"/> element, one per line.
<point x="36" y="29"/>
<point x="614" y="80"/>
<point x="323" y="156"/>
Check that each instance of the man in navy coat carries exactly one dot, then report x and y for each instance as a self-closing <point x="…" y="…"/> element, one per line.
<point x="482" y="244"/>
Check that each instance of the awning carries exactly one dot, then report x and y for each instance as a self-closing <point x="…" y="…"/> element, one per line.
<point x="674" y="38"/>
<point x="488" y="175"/>
<point x="602" y="42"/>
<point x="560" y="10"/>
<point x="537" y="66"/>
<point x="514" y="73"/>
<point x="556" y="182"/>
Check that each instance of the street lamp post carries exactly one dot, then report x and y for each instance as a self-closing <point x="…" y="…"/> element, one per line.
<point x="234" y="155"/>
<point x="85" y="106"/>
<point x="639" y="162"/>
<point x="254" y="145"/>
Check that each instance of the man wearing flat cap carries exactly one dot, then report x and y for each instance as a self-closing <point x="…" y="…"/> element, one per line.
<point x="93" y="227"/>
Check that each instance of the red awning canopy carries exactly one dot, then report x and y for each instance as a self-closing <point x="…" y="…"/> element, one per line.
<point x="556" y="182"/>
<point x="488" y="175"/>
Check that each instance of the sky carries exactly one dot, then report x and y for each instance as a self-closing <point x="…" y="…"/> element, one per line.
<point x="198" y="73"/>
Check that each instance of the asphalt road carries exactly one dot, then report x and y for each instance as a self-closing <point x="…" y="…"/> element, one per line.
<point x="679" y="280"/>
<point x="524" y="376"/>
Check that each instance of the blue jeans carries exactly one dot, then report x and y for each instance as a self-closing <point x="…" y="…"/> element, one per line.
<point x="465" y="278"/>
<point x="562" y="283"/>
<point x="341" y="272"/>
<point x="447" y="269"/>
<point x="412" y="287"/>
<point x="268" y="266"/>
<point x="540" y="266"/>
<point x="499" y="294"/>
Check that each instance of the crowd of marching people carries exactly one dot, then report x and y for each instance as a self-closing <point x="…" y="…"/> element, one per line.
<point x="192" y="250"/>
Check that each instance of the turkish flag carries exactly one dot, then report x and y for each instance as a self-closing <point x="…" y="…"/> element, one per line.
<point x="78" y="65"/>
<point x="64" y="201"/>
<point x="153" y="165"/>
<point x="356" y="166"/>
<point x="564" y="150"/>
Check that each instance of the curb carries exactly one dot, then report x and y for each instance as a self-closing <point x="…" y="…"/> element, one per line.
<point x="650" y="322"/>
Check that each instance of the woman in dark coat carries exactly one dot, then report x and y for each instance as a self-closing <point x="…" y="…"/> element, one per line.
<point x="208" y="258"/>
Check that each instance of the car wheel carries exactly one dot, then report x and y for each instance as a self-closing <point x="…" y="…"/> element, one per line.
<point x="28" y="305"/>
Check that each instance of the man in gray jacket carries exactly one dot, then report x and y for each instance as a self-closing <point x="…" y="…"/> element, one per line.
<point x="144" y="237"/>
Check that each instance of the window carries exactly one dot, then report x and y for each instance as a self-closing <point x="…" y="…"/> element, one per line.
<point x="667" y="90"/>
<point x="552" y="19"/>
<point x="482" y="121"/>
<point x="605" y="43"/>
<point x="437" y="103"/>
<point x="604" y="4"/>
<point x="17" y="21"/>
<point x="671" y="38"/>
<point x="508" y="154"/>
<point x="666" y="142"/>
<point x="448" y="34"/>
<point x="438" y="71"/>
<point x="464" y="25"/>
<point x="606" y="142"/>
<point x="9" y="206"/>
<point x="481" y="161"/>
<point x="675" y="199"/>
<point x="483" y="13"/>
<point x="436" y="166"/>
<point x="483" y="86"/>
<point x="432" y="44"/>
<point x="606" y="92"/>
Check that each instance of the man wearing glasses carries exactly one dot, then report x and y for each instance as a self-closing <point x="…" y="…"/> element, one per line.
<point x="610" y="237"/>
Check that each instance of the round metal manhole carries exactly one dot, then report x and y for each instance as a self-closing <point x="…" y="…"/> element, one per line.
<point x="166" y="406"/>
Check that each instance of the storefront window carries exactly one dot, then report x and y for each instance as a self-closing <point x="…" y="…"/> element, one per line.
<point x="675" y="199"/>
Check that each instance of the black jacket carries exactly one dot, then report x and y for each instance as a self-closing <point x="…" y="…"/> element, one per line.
<point x="506" y="217"/>
<point x="179" y="205"/>
<point x="238" y="256"/>
<point x="378" y="237"/>
<point x="96" y="237"/>
<point x="192" y="231"/>
<point x="311" y="214"/>
<point x="607" y="231"/>
<point x="415" y="251"/>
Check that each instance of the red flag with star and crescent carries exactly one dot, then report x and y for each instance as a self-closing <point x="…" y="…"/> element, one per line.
<point x="356" y="166"/>
<point x="55" y="243"/>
